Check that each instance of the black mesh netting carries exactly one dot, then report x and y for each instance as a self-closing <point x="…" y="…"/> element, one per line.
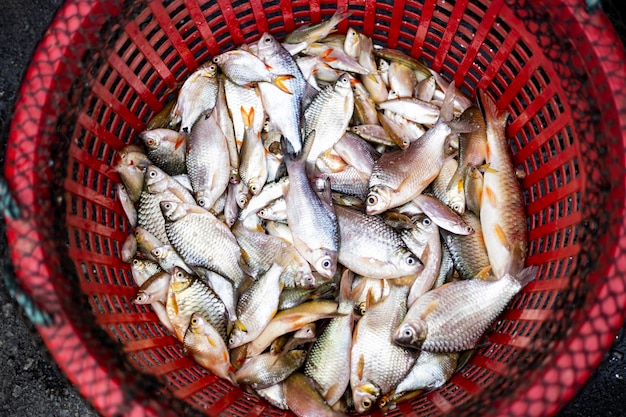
<point x="104" y="69"/>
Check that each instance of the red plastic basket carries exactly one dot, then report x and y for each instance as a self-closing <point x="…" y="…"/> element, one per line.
<point x="104" y="69"/>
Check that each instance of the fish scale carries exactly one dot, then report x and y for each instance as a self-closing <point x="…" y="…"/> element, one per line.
<point x="328" y="115"/>
<point x="204" y="241"/>
<point x="377" y="363"/>
<point x="370" y="247"/>
<point x="194" y="296"/>
<point x="453" y="317"/>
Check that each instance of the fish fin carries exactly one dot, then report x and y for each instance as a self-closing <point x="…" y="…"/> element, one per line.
<point x="211" y="341"/>
<point x="457" y="179"/>
<point x="360" y="367"/>
<point x="239" y="325"/>
<point x="326" y="56"/>
<point x="248" y="116"/>
<point x="486" y="167"/>
<point x="492" y="114"/>
<point x="527" y="275"/>
<point x="489" y="195"/>
<point x="345" y="286"/>
<point x="334" y="390"/>
<point x="326" y="194"/>
<point x="447" y="108"/>
<point x="180" y="141"/>
<point x="485" y="274"/>
<point x="502" y="236"/>
<point x="309" y="94"/>
<point x="279" y="80"/>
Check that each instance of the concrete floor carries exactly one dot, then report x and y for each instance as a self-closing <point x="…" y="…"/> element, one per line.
<point x="31" y="384"/>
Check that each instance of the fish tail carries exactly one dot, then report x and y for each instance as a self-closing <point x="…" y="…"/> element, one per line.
<point x="279" y="81"/>
<point x="457" y="179"/>
<point x="345" y="286"/>
<point x="492" y="114"/>
<point x="447" y="107"/>
<point x="527" y="275"/>
<point x="248" y="116"/>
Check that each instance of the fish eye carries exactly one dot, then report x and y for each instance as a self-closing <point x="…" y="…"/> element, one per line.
<point x="194" y="320"/>
<point x="254" y="188"/>
<point x="136" y="262"/>
<point x="408" y="332"/>
<point x="201" y="202"/>
<point x="469" y="229"/>
<point x="216" y="60"/>
<point x="427" y="221"/>
<point x="366" y="403"/>
<point x="152" y="173"/>
<point x="372" y="200"/>
<point x="362" y="308"/>
<point x="327" y="263"/>
<point x="150" y="141"/>
<point x="267" y="39"/>
<point x="456" y="207"/>
<point x="382" y="402"/>
<point x="410" y="260"/>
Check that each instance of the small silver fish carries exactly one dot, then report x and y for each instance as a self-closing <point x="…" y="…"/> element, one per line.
<point x="202" y="240"/>
<point x="453" y="317"/>
<point x="166" y="148"/>
<point x="208" y="161"/>
<point x="371" y="248"/>
<point x="197" y="97"/>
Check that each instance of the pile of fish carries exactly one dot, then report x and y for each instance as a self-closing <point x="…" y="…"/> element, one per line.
<point x="325" y="223"/>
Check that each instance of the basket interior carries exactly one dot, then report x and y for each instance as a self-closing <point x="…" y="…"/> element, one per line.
<point x="572" y="158"/>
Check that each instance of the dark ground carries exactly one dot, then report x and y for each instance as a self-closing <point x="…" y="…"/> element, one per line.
<point x="32" y="385"/>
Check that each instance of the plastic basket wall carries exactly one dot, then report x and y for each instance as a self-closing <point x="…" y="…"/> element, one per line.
<point x="104" y="69"/>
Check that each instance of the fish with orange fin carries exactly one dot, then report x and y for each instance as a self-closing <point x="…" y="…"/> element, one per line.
<point x="502" y="212"/>
<point x="246" y="69"/>
<point x="203" y="343"/>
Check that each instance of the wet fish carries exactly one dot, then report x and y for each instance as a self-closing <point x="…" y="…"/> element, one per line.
<point x="158" y="187"/>
<point x="129" y="248"/>
<point x="284" y="110"/>
<point x="268" y="369"/>
<point x="203" y="343"/>
<point x="303" y="400"/>
<point x="253" y="162"/>
<point x="202" y="240"/>
<point x="472" y="149"/>
<point x="313" y="32"/>
<point x="352" y="43"/>
<point x="402" y="79"/>
<point x="290" y="320"/>
<point x="453" y="317"/>
<point x="291" y="297"/>
<point x="143" y="269"/>
<point x="328" y="116"/>
<point x="469" y="252"/>
<point x="431" y="371"/>
<point x="453" y="197"/>
<point x="245" y="69"/>
<point x="313" y="221"/>
<point x="377" y="364"/>
<point x="154" y="289"/>
<point x="127" y="204"/>
<point x="371" y="248"/>
<point x="208" y="162"/>
<point x="166" y="148"/>
<point x="328" y="363"/>
<point x="131" y="164"/>
<point x="502" y="205"/>
<point x="146" y="241"/>
<point x="248" y="98"/>
<point x="188" y="295"/>
<point x="400" y="176"/>
<point x="442" y="215"/>
<point x="197" y="97"/>
<point x="430" y="256"/>
<point x="413" y="109"/>
<point x="168" y="258"/>
<point x="256" y="307"/>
